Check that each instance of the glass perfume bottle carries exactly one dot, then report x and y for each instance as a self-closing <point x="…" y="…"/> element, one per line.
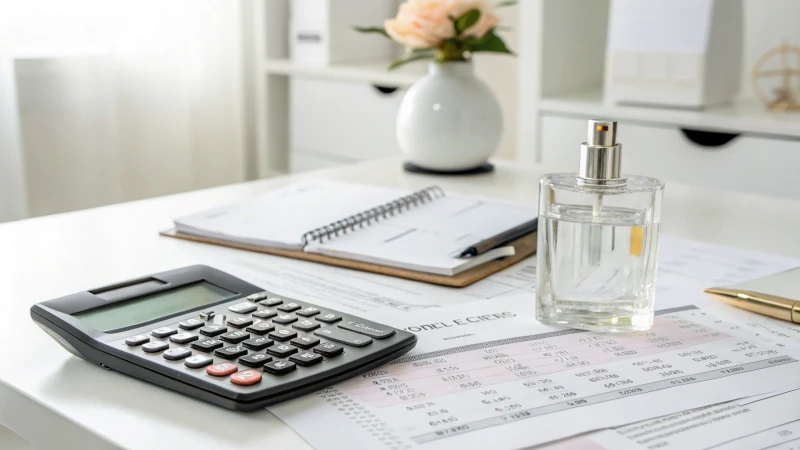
<point x="598" y="241"/>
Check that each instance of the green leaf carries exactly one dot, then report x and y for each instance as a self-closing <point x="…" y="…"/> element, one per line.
<point x="378" y="30"/>
<point x="472" y="41"/>
<point x="411" y="57"/>
<point x="506" y="3"/>
<point x="491" y="43"/>
<point x="467" y="20"/>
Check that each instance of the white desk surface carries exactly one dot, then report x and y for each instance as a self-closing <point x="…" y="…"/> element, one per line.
<point x="54" y="399"/>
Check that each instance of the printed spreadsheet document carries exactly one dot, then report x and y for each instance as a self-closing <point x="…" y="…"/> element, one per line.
<point x="488" y="372"/>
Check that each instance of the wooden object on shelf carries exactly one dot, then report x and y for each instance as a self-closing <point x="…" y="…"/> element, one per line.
<point x="785" y="97"/>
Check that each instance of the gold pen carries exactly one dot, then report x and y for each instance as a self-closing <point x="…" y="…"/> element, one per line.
<point x="768" y="305"/>
<point x="776" y="296"/>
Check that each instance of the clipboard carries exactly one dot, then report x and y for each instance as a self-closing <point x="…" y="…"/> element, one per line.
<point x="524" y="247"/>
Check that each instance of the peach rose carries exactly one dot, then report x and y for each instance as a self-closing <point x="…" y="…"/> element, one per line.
<point x="426" y="23"/>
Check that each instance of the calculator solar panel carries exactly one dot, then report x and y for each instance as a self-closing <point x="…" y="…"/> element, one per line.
<point x="237" y="346"/>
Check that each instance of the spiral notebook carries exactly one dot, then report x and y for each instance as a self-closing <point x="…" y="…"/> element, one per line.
<point x="420" y="231"/>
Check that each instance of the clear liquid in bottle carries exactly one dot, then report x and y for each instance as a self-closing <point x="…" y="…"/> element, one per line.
<point x="601" y="269"/>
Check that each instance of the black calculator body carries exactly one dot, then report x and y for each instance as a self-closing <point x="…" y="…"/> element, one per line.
<point x="202" y="332"/>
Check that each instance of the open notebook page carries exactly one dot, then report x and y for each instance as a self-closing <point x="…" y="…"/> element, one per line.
<point x="429" y="237"/>
<point x="278" y="219"/>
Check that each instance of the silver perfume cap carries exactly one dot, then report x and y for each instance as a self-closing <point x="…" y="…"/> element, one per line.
<point x="601" y="155"/>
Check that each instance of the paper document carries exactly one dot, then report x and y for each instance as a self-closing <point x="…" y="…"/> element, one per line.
<point x="685" y="265"/>
<point x="730" y="425"/>
<point x="371" y="295"/>
<point x="765" y="328"/>
<point x="685" y="268"/>
<point x="766" y="420"/>
<point x="489" y="373"/>
<point x="781" y="437"/>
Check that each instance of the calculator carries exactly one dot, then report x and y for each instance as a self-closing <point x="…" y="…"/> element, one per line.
<point x="207" y="334"/>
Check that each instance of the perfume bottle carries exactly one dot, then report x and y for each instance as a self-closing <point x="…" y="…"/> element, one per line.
<point x="598" y="241"/>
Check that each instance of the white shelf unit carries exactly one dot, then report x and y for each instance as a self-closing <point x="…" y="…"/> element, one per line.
<point x="561" y="70"/>
<point x="560" y="67"/>
<point x="741" y="116"/>
<point x="373" y="72"/>
<point x="273" y="69"/>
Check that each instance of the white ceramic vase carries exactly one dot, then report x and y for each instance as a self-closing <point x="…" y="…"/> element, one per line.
<point x="449" y="120"/>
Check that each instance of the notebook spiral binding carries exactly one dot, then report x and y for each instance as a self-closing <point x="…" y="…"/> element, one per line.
<point x="391" y="208"/>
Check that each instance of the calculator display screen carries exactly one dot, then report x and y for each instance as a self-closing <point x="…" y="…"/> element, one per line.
<point x="146" y="308"/>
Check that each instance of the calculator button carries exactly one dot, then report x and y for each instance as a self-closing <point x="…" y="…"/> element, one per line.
<point x="329" y="318"/>
<point x="207" y="314"/>
<point x="344" y="337"/>
<point x="305" y="341"/>
<point x="198" y="361"/>
<point x="285" y="319"/>
<point x="306" y="325"/>
<point x="289" y="307"/>
<point x="183" y="338"/>
<point x="265" y="314"/>
<point x="213" y="330"/>
<point x="240" y="322"/>
<point x="279" y="367"/>
<point x="231" y="352"/>
<point x="163" y="332"/>
<point x="306" y="358"/>
<point x="191" y="324"/>
<point x="247" y="377"/>
<point x="308" y="312"/>
<point x="282" y="350"/>
<point x="234" y="337"/>
<point x="255" y="360"/>
<point x="271" y="302"/>
<point x="177" y="353"/>
<point x="222" y="369"/>
<point x="261" y="328"/>
<point x="329" y="349"/>
<point x="207" y="345"/>
<point x="371" y="329"/>
<point x="283" y="334"/>
<point x="256" y="297"/>
<point x="155" y="347"/>
<point x="139" y="339"/>
<point x="243" y="308"/>
<point x="259" y="343"/>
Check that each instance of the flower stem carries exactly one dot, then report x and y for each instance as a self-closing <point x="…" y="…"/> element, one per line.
<point x="450" y="50"/>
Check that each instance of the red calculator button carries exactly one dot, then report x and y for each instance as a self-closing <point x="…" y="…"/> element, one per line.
<point x="221" y="369"/>
<point x="246" y="377"/>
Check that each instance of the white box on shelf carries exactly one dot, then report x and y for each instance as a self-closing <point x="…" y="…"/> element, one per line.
<point x="321" y="31"/>
<point x="349" y="120"/>
<point x="746" y="163"/>
<point x="678" y="53"/>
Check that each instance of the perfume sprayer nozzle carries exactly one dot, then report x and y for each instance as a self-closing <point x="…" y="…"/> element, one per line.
<point x="602" y="133"/>
<point x="601" y="154"/>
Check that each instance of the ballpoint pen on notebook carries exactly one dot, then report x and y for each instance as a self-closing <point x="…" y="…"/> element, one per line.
<point x="776" y="296"/>
<point x="500" y="239"/>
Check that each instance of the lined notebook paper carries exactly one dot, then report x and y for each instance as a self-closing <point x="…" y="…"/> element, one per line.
<point x="416" y="230"/>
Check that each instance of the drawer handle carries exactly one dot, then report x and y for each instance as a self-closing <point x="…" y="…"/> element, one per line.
<point x="387" y="90"/>
<point x="708" y="138"/>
